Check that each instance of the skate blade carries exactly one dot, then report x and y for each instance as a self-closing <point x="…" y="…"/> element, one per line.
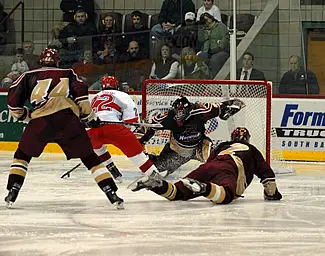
<point x="9" y="205"/>
<point x="119" y="206"/>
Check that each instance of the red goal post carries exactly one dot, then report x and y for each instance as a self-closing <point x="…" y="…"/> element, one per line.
<point x="157" y="96"/>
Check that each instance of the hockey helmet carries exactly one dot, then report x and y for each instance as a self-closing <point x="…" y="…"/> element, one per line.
<point x="49" y="58"/>
<point x="181" y="108"/>
<point x="109" y="82"/>
<point x="240" y="134"/>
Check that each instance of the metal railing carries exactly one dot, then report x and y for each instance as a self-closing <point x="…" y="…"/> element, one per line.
<point x="22" y="18"/>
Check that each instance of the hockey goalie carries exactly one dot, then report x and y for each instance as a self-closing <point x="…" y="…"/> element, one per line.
<point x="186" y="122"/>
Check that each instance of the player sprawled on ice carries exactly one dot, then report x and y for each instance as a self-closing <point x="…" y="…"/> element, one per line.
<point x="223" y="178"/>
<point x="186" y="121"/>
<point x="112" y="105"/>
<point x="60" y="101"/>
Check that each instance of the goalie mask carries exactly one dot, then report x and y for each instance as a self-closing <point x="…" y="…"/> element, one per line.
<point x="181" y="108"/>
<point x="240" y="134"/>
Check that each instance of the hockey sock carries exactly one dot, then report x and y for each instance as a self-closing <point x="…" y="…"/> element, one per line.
<point x="215" y="193"/>
<point x="106" y="158"/>
<point x="145" y="165"/>
<point x="168" y="190"/>
<point x="102" y="177"/>
<point x="17" y="173"/>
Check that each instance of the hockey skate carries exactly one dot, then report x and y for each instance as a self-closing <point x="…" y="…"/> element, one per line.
<point x="113" y="198"/>
<point x="148" y="182"/>
<point x="115" y="172"/>
<point x="12" y="196"/>
<point x="195" y="186"/>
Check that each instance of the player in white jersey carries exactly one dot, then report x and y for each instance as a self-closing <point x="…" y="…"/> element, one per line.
<point x="113" y="105"/>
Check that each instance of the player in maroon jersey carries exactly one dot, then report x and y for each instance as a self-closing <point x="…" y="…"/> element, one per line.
<point x="59" y="100"/>
<point x="186" y="122"/>
<point x="223" y="178"/>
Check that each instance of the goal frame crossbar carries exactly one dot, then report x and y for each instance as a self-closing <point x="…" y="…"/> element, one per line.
<point x="268" y="97"/>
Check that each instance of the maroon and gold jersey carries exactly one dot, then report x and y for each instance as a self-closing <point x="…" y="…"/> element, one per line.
<point x="48" y="90"/>
<point x="252" y="159"/>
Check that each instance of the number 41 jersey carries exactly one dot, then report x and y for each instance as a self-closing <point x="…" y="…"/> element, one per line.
<point x="48" y="90"/>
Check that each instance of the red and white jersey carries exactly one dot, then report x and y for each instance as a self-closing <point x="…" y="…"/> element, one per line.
<point x="113" y="105"/>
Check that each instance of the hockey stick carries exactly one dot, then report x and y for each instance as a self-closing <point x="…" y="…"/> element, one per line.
<point x="70" y="171"/>
<point x="156" y="126"/>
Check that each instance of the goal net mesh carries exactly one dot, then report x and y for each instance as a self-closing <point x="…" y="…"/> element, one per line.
<point x="158" y="95"/>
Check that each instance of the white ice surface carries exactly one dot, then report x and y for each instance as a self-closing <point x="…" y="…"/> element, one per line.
<point x="54" y="216"/>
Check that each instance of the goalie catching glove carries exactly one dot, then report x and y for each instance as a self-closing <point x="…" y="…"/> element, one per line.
<point x="91" y="121"/>
<point x="230" y="107"/>
<point x="270" y="190"/>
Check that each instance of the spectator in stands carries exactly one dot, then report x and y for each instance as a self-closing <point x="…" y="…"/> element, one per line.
<point x="69" y="8"/>
<point x="20" y="66"/>
<point x="87" y="70"/>
<point x="297" y="80"/>
<point x="171" y="17"/>
<point x="29" y="56"/>
<point x="209" y="7"/>
<point x="191" y="66"/>
<point x="164" y="67"/>
<point x="108" y="29"/>
<point x="134" y="67"/>
<point x="247" y="72"/>
<point x="75" y="37"/>
<point x="109" y="54"/>
<point x="213" y="37"/>
<point x="3" y="29"/>
<point x="186" y="36"/>
<point x="138" y="32"/>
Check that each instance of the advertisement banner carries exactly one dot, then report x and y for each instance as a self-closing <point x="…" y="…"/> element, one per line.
<point x="300" y="127"/>
<point x="10" y="129"/>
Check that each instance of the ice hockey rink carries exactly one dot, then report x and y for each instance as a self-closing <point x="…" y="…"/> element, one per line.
<point x="54" y="216"/>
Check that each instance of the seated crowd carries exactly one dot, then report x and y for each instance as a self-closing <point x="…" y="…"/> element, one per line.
<point x="176" y="43"/>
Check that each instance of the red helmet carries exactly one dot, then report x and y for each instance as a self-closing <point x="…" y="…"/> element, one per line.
<point x="49" y="57"/>
<point x="240" y="134"/>
<point x="109" y="82"/>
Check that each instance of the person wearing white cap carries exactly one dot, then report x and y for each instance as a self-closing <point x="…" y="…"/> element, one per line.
<point x="186" y="36"/>
<point x="210" y="8"/>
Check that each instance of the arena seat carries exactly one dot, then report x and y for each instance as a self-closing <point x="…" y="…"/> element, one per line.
<point x="225" y="19"/>
<point x="243" y="23"/>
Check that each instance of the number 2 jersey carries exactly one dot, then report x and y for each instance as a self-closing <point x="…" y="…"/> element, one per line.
<point x="251" y="158"/>
<point x="49" y="90"/>
<point x="116" y="106"/>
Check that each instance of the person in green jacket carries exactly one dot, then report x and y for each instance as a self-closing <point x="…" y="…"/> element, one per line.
<point x="213" y="36"/>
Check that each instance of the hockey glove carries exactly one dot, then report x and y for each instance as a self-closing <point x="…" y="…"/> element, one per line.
<point x="92" y="121"/>
<point x="270" y="190"/>
<point x="230" y="107"/>
<point x="26" y="116"/>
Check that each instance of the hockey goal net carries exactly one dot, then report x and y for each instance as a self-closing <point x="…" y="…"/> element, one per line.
<point x="158" y="95"/>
